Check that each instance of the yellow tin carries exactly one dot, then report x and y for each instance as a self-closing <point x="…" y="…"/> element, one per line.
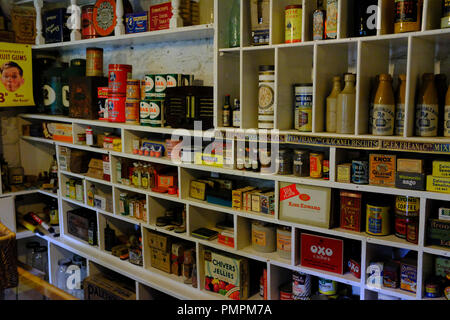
<point x="293" y="23"/>
<point x="408" y="205"/>
<point x="441" y="169"/>
<point x="377" y="220"/>
<point x="316" y="165"/>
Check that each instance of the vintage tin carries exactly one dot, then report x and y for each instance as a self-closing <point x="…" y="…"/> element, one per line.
<point x="301" y="286"/>
<point x="104" y="17"/>
<point x="406" y="211"/>
<point x="263" y="236"/>
<point x="293" y="23"/>
<point x="133" y="90"/>
<point x="327" y="287"/>
<point x="326" y="169"/>
<point x="412" y="230"/>
<point x="408" y="275"/>
<point x="94" y="62"/>
<point x="23" y="19"/>
<point x="118" y="75"/>
<point x="160" y="86"/>
<point x="132" y="112"/>
<point x="432" y="289"/>
<point x="136" y="22"/>
<point x="284" y="240"/>
<point x="351" y="210"/>
<point x="103" y="93"/>
<point x="151" y="113"/>
<point x="284" y="162"/>
<point x="87" y="22"/>
<point x="344" y="172"/>
<point x="266" y="89"/>
<point x="116" y="108"/>
<point x="382" y="169"/>
<point x="441" y="169"/>
<point x="316" y="165"/>
<point x="377" y="220"/>
<point x="149" y="87"/>
<point x="301" y="163"/>
<point x="360" y="171"/>
<point x="286" y="291"/>
<point x="319" y="24"/>
<point x="55" y="26"/>
<point x="303" y="107"/>
<point x="391" y="274"/>
<point x="159" y="16"/>
<point x="331" y="20"/>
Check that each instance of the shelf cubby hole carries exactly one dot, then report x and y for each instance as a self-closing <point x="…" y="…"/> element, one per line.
<point x="251" y="60"/>
<point x="294" y="66"/>
<point x="91" y="214"/>
<point x="104" y="201"/>
<point x="68" y="188"/>
<point x="430" y="271"/>
<point x="159" y="207"/>
<point x="148" y="293"/>
<point x="120" y="209"/>
<point x="343" y="60"/>
<point x="431" y="215"/>
<point x="228" y="82"/>
<point x="98" y="132"/>
<point x="131" y="136"/>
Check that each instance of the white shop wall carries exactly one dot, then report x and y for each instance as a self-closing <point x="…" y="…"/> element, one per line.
<point x="187" y="57"/>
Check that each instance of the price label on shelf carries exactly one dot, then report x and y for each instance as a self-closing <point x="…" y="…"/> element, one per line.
<point x="16" y="87"/>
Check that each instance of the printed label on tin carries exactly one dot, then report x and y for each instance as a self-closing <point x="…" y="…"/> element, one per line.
<point x="49" y="95"/>
<point x="149" y="84"/>
<point x="265" y="99"/>
<point x="171" y="81"/>
<point x="383" y="119"/>
<point x="426" y="119"/>
<point x="406" y="10"/>
<point x="293" y="25"/>
<point x="259" y="238"/>
<point x="160" y="84"/>
<point x="154" y="111"/>
<point x="144" y="112"/>
<point x="65" y="96"/>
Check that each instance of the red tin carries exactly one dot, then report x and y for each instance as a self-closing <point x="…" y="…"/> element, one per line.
<point x="118" y="74"/>
<point x="87" y="22"/>
<point x="116" y="108"/>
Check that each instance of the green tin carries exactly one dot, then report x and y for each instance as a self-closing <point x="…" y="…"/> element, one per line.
<point x="160" y="86"/>
<point x="151" y="112"/>
<point x="149" y="90"/>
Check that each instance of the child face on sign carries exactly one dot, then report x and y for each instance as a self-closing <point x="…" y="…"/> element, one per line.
<point x="11" y="79"/>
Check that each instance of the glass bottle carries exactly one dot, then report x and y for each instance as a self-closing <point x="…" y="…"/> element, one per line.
<point x="331" y="105"/>
<point x="90" y="196"/>
<point x="235" y="25"/>
<point x="332" y="19"/>
<point x="144" y="176"/>
<point x="226" y="112"/>
<point x="40" y="260"/>
<point x="236" y="114"/>
<point x="319" y="17"/>
<point x="447" y="114"/>
<point x="345" y="108"/>
<point x="384" y="108"/>
<point x="53" y="172"/>
<point x="427" y="108"/>
<point x="408" y="15"/>
<point x="400" y="106"/>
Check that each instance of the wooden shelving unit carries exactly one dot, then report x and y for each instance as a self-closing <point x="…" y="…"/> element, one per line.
<point x="235" y="72"/>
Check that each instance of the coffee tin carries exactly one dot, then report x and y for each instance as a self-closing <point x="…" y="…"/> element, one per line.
<point x="116" y="108"/>
<point x="118" y="74"/>
<point x="94" y="62"/>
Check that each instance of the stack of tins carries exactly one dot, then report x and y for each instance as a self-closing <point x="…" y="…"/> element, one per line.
<point x="118" y="76"/>
<point x="133" y="98"/>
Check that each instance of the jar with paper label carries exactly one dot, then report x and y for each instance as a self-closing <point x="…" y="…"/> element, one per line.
<point x="447" y="114"/>
<point x="427" y="108"/>
<point x="400" y="98"/>
<point x="331" y="105"/>
<point x="345" y="109"/>
<point x="384" y="108"/>
<point x="408" y="14"/>
<point x="266" y="91"/>
<point x="303" y="107"/>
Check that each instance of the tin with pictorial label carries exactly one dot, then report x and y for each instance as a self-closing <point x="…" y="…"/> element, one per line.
<point x="133" y="90"/>
<point x="303" y="107"/>
<point x="377" y="220"/>
<point x="293" y="23"/>
<point x="149" y="87"/>
<point x="327" y="287"/>
<point x="301" y="286"/>
<point x="87" y="22"/>
<point x="360" y="171"/>
<point x="116" y="108"/>
<point x="151" y="113"/>
<point x="118" y="74"/>
<point x="316" y="165"/>
<point x="160" y="86"/>
<point x="266" y="89"/>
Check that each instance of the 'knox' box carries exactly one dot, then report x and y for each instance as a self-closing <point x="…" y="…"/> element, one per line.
<point x="84" y="96"/>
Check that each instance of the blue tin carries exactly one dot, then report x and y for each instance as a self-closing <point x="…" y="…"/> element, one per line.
<point x="55" y="26"/>
<point x="136" y="22"/>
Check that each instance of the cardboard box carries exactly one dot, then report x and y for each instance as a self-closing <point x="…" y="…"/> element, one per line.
<point x="55" y="25"/>
<point x="247" y="199"/>
<point x="237" y="197"/>
<point x="438" y="232"/>
<point x="267" y="202"/>
<point x="177" y="258"/>
<point x="231" y="272"/>
<point x="322" y="253"/>
<point x="226" y="238"/>
<point x="442" y="266"/>
<point x="159" y="16"/>
<point x="61" y="131"/>
<point x="260" y="21"/>
<point x="160" y="260"/>
<point x="99" y="287"/>
<point x="23" y="19"/>
<point x="159" y="241"/>
<point x="382" y="169"/>
<point x="410" y="180"/>
<point x="438" y="184"/>
<point x="95" y="169"/>
<point x="441" y="169"/>
<point x="206" y="159"/>
<point x="64" y="158"/>
<point x="112" y="143"/>
<point x="351" y="214"/>
<point x="408" y="275"/>
<point x="256" y="202"/>
<point x="391" y="275"/>
<point x="197" y="190"/>
<point x="410" y="165"/>
<point x="305" y="204"/>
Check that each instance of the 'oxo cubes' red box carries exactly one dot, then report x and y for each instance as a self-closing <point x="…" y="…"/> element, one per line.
<point x="322" y="253"/>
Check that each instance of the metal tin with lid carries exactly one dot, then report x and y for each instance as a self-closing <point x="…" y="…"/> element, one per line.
<point x="303" y="93"/>
<point x="94" y="62"/>
<point x="316" y="165"/>
<point x="293" y="23"/>
<point x="266" y="89"/>
<point x="360" y="171"/>
<point x="377" y="220"/>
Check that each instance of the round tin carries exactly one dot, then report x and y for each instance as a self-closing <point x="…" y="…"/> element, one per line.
<point x="301" y="286"/>
<point x="360" y="171"/>
<point x="151" y="113"/>
<point x="284" y="240"/>
<point x="377" y="220"/>
<point x="149" y="86"/>
<point x="118" y="74"/>
<point x="132" y="112"/>
<point x="301" y="163"/>
<point x="286" y="291"/>
<point x="315" y="165"/>
<point x="303" y="93"/>
<point x="293" y="23"/>
<point x="406" y="212"/>
<point x="327" y="287"/>
<point x="266" y="89"/>
<point x="104" y="17"/>
<point x="116" y="108"/>
<point x="412" y="230"/>
<point x="432" y="289"/>
<point x="133" y="90"/>
<point x="94" y="62"/>
<point x="87" y="22"/>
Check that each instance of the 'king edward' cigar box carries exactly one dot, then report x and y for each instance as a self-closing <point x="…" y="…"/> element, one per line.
<point x="84" y="96"/>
